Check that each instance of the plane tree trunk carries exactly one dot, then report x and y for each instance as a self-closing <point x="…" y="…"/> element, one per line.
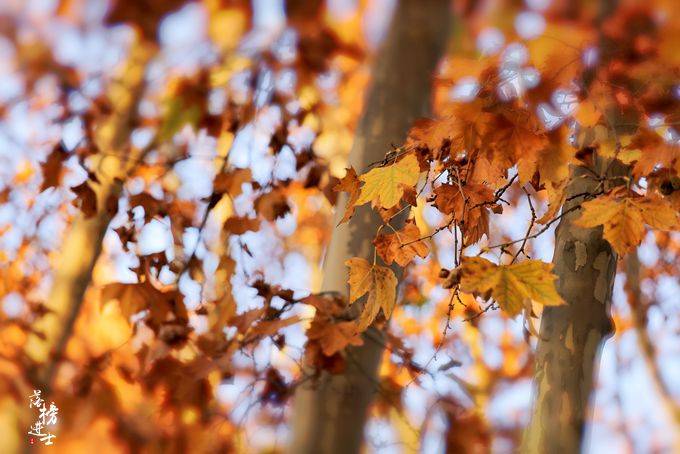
<point x="572" y="335"/>
<point x="329" y="413"/>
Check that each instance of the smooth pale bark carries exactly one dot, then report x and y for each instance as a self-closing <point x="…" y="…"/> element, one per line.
<point x="82" y="243"/>
<point x="572" y="335"/>
<point x="329" y="413"/>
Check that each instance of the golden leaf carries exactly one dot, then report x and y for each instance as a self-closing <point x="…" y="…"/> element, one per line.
<point x="623" y="218"/>
<point x="383" y="185"/>
<point x="512" y="286"/>
<point x="379" y="282"/>
<point x="587" y="114"/>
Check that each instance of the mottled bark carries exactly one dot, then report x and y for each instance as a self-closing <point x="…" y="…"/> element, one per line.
<point x="572" y="335"/>
<point x="329" y="412"/>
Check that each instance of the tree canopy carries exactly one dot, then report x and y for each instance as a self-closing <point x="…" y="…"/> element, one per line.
<point x="169" y="174"/>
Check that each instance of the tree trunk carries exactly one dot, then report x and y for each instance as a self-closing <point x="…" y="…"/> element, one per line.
<point x="82" y="244"/>
<point x="329" y="413"/>
<point x="571" y="336"/>
<point x="638" y="311"/>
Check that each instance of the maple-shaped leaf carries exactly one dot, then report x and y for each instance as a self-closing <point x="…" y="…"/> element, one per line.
<point x="328" y="332"/>
<point x="624" y="218"/>
<point x="384" y="186"/>
<point x="86" y="199"/>
<point x="459" y="201"/>
<point x="52" y="167"/>
<point x="137" y="297"/>
<point x="270" y="327"/>
<point x="467" y="204"/>
<point x="152" y="206"/>
<point x="655" y="153"/>
<point x="587" y="114"/>
<point x="517" y="136"/>
<point x="231" y="182"/>
<point x="401" y="246"/>
<point x="272" y="205"/>
<point x="334" y="337"/>
<point x="461" y="127"/>
<point x="379" y="282"/>
<point x="238" y="225"/>
<point x="350" y="184"/>
<point x="512" y="286"/>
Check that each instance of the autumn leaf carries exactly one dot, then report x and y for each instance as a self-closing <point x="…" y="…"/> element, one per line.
<point x="655" y="153"/>
<point x="137" y="297"/>
<point x="512" y="286"/>
<point x="587" y="114"/>
<point x="272" y="205"/>
<point x="461" y="127"/>
<point x="518" y="137"/>
<point x="350" y="184"/>
<point x="238" y="225"/>
<point x="329" y="333"/>
<point x="86" y="199"/>
<point x="152" y="206"/>
<point x="52" y="167"/>
<point x="231" y="182"/>
<point x="271" y="327"/>
<point x="624" y="218"/>
<point x="383" y="185"/>
<point x="402" y="246"/>
<point x="379" y="282"/>
<point x="334" y="337"/>
<point x="467" y="205"/>
<point x="459" y="201"/>
<point x="144" y="14"/>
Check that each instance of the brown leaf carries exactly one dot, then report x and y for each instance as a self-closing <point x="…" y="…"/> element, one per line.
<point x="272" y="205"/>
<point x="232" y="182"/>
<point x="238" y="225"/>
<point x="52" y="167"/>
<point x="134" y="298"/>
<point x="86" y="199"/>
<point x="333" y="337"/>
<point x="350" y="183"/>
<point x="146" y="15"/>
<point x="152" y="206"/>
<point x="401" y="246"/>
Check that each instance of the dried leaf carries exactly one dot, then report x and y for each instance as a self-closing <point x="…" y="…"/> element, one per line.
<point x="624" y="218"/>
<point x="350" y="184"/>
<point x="379" y="282"/>
<point x="86" y="199"/>
<point x="401" y="246"/>
<point x="512" y="286"/>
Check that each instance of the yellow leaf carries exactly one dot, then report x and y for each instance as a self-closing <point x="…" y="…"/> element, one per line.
<point x="512" y="286"/>
<point x="587" y="114"/>
<point x="623" y="218"/>
<point x="383" y="185"/>
<point x="379" y="282"/>
<point x="657" y="213"/>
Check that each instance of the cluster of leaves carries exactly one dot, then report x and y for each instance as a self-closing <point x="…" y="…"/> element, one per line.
<point x="501" y="140"/>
